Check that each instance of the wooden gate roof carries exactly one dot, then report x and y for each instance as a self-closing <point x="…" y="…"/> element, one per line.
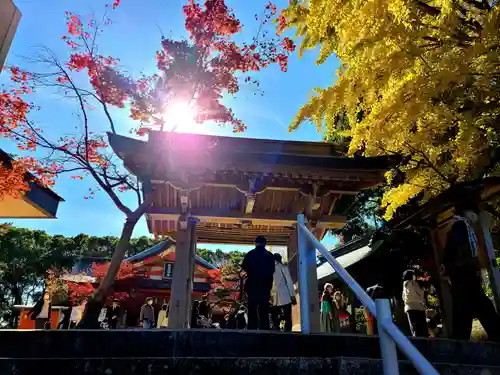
<point x="239" y="188"/>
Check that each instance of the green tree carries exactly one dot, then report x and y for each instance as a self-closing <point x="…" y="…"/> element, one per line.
<point x="140" y="244"/>
<point x="26" y="256"/>
<point x="363" y="209"/>
<point x="220" y="258"/>
<point x="228" y="280"/>
<point x="31" y="260"/>
<point x="105" y="246"/>
<point x="363" y="213"/>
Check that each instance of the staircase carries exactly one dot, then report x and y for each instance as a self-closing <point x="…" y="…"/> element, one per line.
<point x="207" y="352"/>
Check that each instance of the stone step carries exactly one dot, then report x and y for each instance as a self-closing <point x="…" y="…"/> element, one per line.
<point x="220" y="366"/>
<point x="218" y="343"/>
<point x="367" y="366"/>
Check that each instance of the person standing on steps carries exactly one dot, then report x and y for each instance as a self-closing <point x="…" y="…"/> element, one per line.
<point x="415" y="306"/>
<point x="147" y="315"/>
<point x="113" y="314"/>
<point x="41" y="312"/>
<point x="327" y="323"/>
<point x="259" y="266"/>
<point x="195" y="314"/>
<point x="283" y="295"/>
<point x="461" y="265"/>
<point x="77" y="313"/>
<point x="341" y="317"/>
<point x="374" y="292"/>
<point x="205" y="309"/>
<point x="163" y="317"/>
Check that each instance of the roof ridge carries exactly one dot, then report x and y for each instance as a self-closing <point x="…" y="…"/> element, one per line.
<point x="162" y="246"/>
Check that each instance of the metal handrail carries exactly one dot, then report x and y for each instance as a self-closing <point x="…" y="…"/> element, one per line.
<point x="389" y="329"/>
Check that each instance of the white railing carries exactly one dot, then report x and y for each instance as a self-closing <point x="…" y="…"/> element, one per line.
<point x="389" y="334"/>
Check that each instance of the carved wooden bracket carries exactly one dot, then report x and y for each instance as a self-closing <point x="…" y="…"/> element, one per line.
<point x="250" y="203"/>
<point x="185" y="203"/>
<point x="182" y="223"/>
<point x="311" y="200"/>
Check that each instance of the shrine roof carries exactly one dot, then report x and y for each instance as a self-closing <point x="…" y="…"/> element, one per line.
<point x="161" y="247"/>
<point x="245" y="154"/>
<point x="440" y="208"/>
<point x="38" y="202"/>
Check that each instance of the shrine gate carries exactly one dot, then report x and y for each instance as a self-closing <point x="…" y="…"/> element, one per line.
<point x="226" y="190"/>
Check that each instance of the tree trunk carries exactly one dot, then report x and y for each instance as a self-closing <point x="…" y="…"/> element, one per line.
<point x="94" y="306"/>
<point x="17" y="293"/>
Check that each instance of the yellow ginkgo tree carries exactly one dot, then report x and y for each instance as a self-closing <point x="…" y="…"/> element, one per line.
<point x="419" y="78"/>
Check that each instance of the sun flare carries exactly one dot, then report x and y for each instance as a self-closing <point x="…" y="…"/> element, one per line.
<point x="180" y="116"/>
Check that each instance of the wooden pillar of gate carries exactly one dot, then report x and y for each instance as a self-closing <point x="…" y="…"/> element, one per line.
<point x="182" y="278"/>
<point x="308" y="302"/>
<point x="292" y="259"/>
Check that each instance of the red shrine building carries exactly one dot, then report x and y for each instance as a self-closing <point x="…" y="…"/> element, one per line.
<point x="152" y="277"/>
<point x="154" y="268"/>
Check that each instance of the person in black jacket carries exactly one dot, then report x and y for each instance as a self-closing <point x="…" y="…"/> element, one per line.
<point x="65" y="321"/>
<point x="147" y="314"/>
<point x="460" y="264"/>
<point x="195" y="313"/>
<point x="204" y="308"/>
<point x="113" y="314"/>
<point x="41" y="312"/>
<point x="259" y="266"/>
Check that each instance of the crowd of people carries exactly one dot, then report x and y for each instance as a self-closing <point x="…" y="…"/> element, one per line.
<point x="270" y="296"/>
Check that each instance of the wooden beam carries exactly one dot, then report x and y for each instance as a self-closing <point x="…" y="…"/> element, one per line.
<point x="233" y="236"/>
<point x="285" y="185"/>
<point x="242" y="241"/>
<point x="235" y="217"/>
<point x="321" y="229"/>
<point x="279" y="181"/>
<point x="245" y="231"/>
<point x="242" y="230"/>
<point x="287" y="165"/>
<point x="239" y="236"/>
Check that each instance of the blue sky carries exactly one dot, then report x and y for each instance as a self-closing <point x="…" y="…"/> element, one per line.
<point x="134" y="37"/>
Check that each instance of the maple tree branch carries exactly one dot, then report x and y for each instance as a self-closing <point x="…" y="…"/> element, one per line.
<point x="23" y="136"/>
<point x="66" y="170"/>
<point x="116" y="200"/>
<point x="142" y="208"/>
<point x="102" y="99"/>
<point x="96" y="30"/>
<point x="82" y="106"/>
